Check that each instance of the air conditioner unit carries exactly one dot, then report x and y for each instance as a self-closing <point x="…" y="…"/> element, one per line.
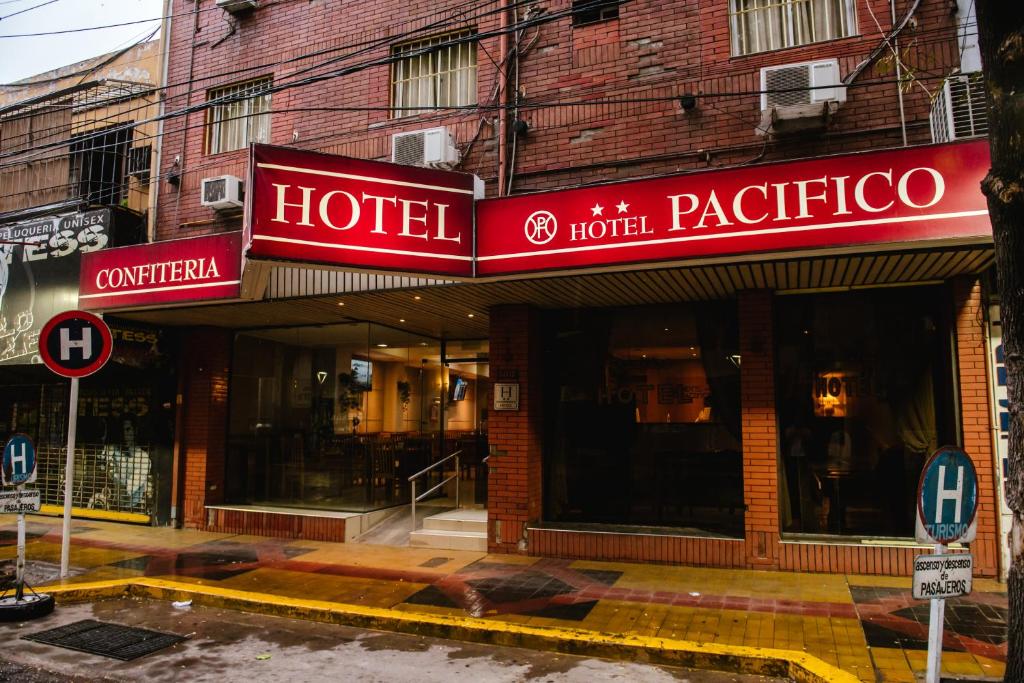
<point x="959" y="111"/>
<point x="427" y="147"/>
<point x="237" y="6"/>
<point x="222" y="192"/>
<point x="801" y="96"/>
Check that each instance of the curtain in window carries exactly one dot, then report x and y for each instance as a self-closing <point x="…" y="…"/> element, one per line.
<point x="762" y="25"/>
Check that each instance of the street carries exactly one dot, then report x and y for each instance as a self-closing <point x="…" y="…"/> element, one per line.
<point x="224" y="645"/>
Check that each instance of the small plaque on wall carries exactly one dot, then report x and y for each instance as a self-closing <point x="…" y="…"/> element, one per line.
<point x="506" y="396"/>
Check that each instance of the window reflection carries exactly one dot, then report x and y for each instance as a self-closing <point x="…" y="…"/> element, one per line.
<point x="864" y="395"/>
<point x="643" y="422"/>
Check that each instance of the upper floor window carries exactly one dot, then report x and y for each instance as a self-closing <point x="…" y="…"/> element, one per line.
<point x="592" y="11"/>
<point x="761" y="25"/>
<point x="243" y="117"/>
<point x="435" y="73"/>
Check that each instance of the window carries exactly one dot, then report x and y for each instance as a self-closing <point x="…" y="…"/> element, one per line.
<point x="435" y="73"/>
<point x="864" y="394"/>
<point x="761" y="25"/>
<point x="593" y="11"/>
<point x="642" y="418"/>
<point x="243" y="117"/>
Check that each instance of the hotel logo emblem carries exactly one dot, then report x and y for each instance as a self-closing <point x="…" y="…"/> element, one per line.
<point x="540" y="227"/>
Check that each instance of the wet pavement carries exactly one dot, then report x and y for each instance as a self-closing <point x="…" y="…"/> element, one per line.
<point x="225" y="646"/>
<point x="867" y="625"/>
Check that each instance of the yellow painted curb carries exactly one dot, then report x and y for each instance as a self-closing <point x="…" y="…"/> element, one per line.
<point x="90" y="513"/>
<point x="798" y="666"/>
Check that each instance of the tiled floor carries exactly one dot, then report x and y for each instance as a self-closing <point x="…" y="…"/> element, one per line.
<point x="869" y="626"/>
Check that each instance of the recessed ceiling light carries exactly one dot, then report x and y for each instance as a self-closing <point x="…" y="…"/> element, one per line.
<point x="423" y="343"/>
<point x="666" y="329"/>
<point x="417" y="297"/>
<point x="341" y="303"/>
<point x="472" y="315"/>
<point x="643" y="355"/>
<point x="401" y="320"/>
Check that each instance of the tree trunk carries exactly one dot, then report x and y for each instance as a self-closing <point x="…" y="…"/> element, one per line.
<point x="1001" y="41"/>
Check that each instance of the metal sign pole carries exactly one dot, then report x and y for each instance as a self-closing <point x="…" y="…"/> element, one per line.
<point x="936" y="617"/>
<point x="69" y="472"/>
<point x="19" y="575"/>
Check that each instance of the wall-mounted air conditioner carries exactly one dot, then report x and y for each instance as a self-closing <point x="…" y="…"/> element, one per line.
<point x="959" y="111"/>
<point x="427" y="147"/>
<point x="236" y="6"/>
<point x="801" y="96"/>
<point x="222" y="192"/>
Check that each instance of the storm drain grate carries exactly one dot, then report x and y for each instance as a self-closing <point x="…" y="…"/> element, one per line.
<point x="108" y="640"/>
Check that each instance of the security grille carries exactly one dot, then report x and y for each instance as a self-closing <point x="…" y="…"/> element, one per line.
<point x="435" y="73"/>
<point x="241" y="117"/>
<point x="959" y="110"/>
<point x="787" y="85"/>
<point x="761" y="25"/>
<point x="107" y="477"/>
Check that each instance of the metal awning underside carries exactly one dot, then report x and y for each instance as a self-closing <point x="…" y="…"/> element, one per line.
<point x="444" y="310"/>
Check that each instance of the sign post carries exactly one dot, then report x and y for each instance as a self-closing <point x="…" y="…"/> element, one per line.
<point x="947" y="503"/>
<point x="19" y="468"/>
<point x="73" y="344"/>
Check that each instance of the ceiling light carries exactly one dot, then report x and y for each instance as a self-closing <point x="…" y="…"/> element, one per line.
<point x="341" y="303"/>
<point x="417" y="297"/>
<point x="472" y="315"/>
<point x="382" y="346"/>
<point x="401" y="320"/>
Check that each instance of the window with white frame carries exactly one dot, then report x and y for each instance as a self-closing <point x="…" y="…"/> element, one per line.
<point x="241" y="116"/>
<point x="762" y="25"/>
<point x="435" y="73"/>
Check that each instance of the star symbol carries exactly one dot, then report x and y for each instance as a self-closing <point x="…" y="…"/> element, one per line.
<point x="622" y="206"/>
<point x="597" y="210"/>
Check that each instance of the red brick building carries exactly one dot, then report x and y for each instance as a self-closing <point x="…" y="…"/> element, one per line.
<point x="782" y="419"/>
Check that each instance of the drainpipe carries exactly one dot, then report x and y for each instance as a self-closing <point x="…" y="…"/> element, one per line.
<point x="503" y="97"/>
<point x="154" y="180"/>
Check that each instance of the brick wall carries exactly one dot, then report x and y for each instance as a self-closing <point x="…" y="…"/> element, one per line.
<point x="976" y="412"/>
<point x="640" y="62"/>
<point x="760" y="450"/>
<point x="514" y="494"/>
<point x="206" y="353"/>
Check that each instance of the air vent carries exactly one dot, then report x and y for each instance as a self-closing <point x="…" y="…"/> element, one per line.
<point x="804" y="83"/>
<point x="960" y="110"/>
<point x="427" y="147"/>
<point x="222" y="192"/>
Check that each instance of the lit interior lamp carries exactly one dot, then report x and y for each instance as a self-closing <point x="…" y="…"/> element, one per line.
<point x="832" y="394"/>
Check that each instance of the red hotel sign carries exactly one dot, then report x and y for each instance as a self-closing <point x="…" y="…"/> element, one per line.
<point x="174" y="271"/>
<point x="895" y="196"/>
<point x="318" y="208"/>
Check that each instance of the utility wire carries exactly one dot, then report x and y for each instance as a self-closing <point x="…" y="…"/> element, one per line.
<point x="28" y="9"/>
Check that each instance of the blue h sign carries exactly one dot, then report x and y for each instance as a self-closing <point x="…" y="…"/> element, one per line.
<point x="19" y="466"/>
<point x="947" y="497"/>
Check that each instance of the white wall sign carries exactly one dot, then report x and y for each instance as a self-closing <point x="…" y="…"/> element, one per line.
<point x="506" y="396"/>
<point x="1001" y="429"/>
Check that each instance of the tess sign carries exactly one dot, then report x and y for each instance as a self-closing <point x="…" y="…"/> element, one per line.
<point x="896" y="196"/>
<point x="319" y="208"/>
<point x="172" y="271"/>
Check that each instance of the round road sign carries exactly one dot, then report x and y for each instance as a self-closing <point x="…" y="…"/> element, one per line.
<point x="947" y="497"/>
<point x="75" y="343"/>
<point x="19" y="463"/>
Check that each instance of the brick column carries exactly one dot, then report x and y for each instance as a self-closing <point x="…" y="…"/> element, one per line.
<point x="206" y="354"/>
<point x="760" y="450"/>
<point x="976" y="415"/>
<point x="514" y="494"/>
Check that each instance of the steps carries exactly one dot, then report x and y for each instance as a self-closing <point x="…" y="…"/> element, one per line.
<point x="463" y="529"/>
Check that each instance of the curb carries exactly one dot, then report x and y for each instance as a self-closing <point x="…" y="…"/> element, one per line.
<point x="798" y="666"/>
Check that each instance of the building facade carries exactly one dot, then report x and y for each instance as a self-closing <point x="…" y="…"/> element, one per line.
<point x="761" y="398"/>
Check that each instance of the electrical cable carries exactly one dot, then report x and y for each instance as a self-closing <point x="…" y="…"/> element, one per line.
<point x="28" y="9"/>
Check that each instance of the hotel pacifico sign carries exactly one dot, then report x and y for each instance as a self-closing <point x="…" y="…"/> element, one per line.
<point x="337" y="211"/>
<point x="928" y="193"/>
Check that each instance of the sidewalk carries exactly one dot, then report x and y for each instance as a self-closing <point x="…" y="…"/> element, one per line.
<point x="867" y="626"/>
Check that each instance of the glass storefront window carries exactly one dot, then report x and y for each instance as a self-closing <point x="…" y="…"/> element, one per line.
<point x="864" y="395"/>
<point x="339" y="416"/>
<point x="643" y="418"/>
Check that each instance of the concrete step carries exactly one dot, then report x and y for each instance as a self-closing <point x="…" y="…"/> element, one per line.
<point x="448" y="540"/>
<point x="458" y="520"/>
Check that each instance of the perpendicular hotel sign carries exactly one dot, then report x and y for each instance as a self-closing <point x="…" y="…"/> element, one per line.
<point x="895" y="196"/>
<point x="338" y="211"/>
<point x="168" y="272"/>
